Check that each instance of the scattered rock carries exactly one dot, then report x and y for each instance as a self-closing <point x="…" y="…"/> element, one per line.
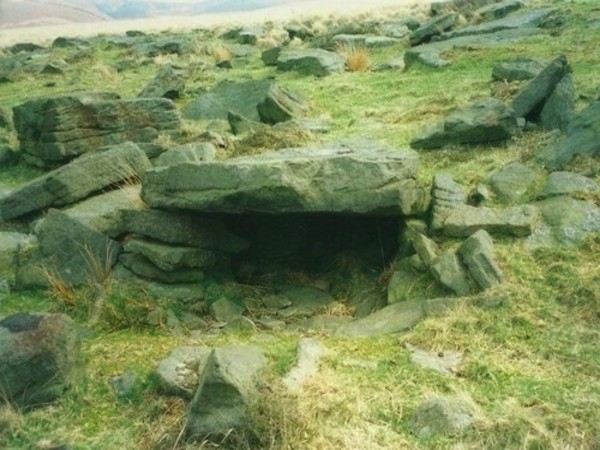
<point x="521" y="68"/>
<point x="517" y="221"/>
<point x="226" y="386"/>
<point x="498" y="10"/>
<point x="440" y="416"/>
<point x="432" y="28"/>
<point x="529" y="101"/>
<point x="393" y="64"/>
<point x="447" y="195"/>
<point x="276" y="302"/>
<point x="310" y="352"/>
<point x="449" y="272"/>
<point x="559" y="108"/>
<point x="68" y="251"/>
<point x="225" y="310"/>
<point x="156" y="47"/>
<point x="566" y="221"/>
<point x="581" y="138"/>
<point x="125" y="384"/>
<point x="168" y="83"/>
<point x="56" y="129"/>
<point x="476" y="253"/>
<point x="188" y="153"/>
<point x="485" y="121"/>
<point x="446" y="362"/>
<point x="39" y="357"/>
<point x="427" y="249"/>
<point x="178" y="374"/>
<point x="26" y="47"/>
<point x="567" y="183"/>
<point x="315" y="62"/>
<point x="13" y="247"/>
<point x="305" y="301"/>
<point x="256" y="100"/>
<point x="83" y="176"/>
<point x="143" y="267"/>
<point x="340" y="179"/>
<point x="391" y="319"/>
<point x="514" y="183"/>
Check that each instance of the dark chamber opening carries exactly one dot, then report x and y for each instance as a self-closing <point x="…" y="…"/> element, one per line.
<point x="312" y="242"/>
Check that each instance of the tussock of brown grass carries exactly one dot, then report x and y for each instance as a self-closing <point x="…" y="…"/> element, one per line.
<point x="105" y="73"/>
<point x="11" y="420"/>
<point x="357" y="57"/>
<point x="221" y="54"/>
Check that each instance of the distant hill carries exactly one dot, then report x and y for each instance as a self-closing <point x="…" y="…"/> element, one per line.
<point x="23" y="13"/>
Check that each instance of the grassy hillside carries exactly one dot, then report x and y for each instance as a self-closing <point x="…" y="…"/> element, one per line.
<point x="531" y="362"/>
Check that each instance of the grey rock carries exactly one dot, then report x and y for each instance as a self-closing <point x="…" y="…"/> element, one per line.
<point x="315" y="62"/>
<point x="257" y="100"/>
<point x="536" y="92"/>
<point x="188" y="153"/>
<point x="191" y="321"/>
<point x="168" y="83"/>
<point x="449" y="272"/>
<point x="427" y="249"/>
<point x="476" y="254"/>
<point x="125" y="384"/>
<point x="26" y="47"/>
<point x="320" y="323"/>
<point x="517" y="221"/>
<point x="446" y="362"/>
<point x="161" y="46"/>
<point x="276" y="302"/>
<point x="430" y="54"/>
<point x="310" y="352"/>
<point x="340" y="179"/>
<point x="250" y="36"/>
<point x="498" y="10"/>
<point x="433" y="27"/>
<point x="391" y="319"/>
<point x="57" y="129"/>
<point x="75" y="181"/>
<point x="143" y="267"/>
<point x="69" y="251"/>
<point x="39" y="357"/>
<point x="447" y="196"/>
<point x="226" y="386"/>
<point x="559" y="108"/>
<point x="240" y="323"/>
<point x="399" y="287"/>
<point x="225" y="310"/>
<point x="567" y="183"/>
<point x="464" y="6"/>
<point x="241" y="125"/>
<point x="518" y="69"/>
<point x="104" y="213"/>
<point x="581" y="138"/>
<point x="363" y="40"/>
<point x="566" y="221"/>
<point x="13" y="247"/>
<point x="306" y="301"/>
<point x="68" y="42"/>
<point x="178" y="373"/>
<point x="270" y="56"/>
<point x="184" y="228"/>
<point x="392" y="64"/>
<point x="398" y="30"/>
<point x="485" y="121"/>
<point x="515" y="182"/>
<point x="168" y="257"/>
<point x="531" y="18"/>
<point x="440" y="416"/>
<point x="268" y="323"/>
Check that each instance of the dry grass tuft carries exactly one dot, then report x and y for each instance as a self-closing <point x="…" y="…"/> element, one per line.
<point x="11" y="420"/>
<point x="105" y="73"/>
<point x="357" y="57"/>
<point x="221" y="54"/>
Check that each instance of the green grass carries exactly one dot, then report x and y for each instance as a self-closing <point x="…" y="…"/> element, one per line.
<point x="531" y="365"/>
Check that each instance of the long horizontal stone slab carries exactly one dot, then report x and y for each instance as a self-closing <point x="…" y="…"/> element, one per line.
<point x="465" y="220"/>
<point x="362" y="179"/>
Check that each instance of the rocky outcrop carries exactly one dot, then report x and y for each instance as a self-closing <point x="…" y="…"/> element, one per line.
<point x="39" y="358"/>
<point x="75" y="181"/>
<point x="581" y="138"/>
<point x="485" y="121"/>
<point x="350" y="179"/>
<point x="188" y="153"/>
<point x="312" y="61"/>
<point x="432" y="28"/>
<point x="447" y="195"/>
<point x="179" y="373"/>
<point x="256" y="100"/>
<point x="56" y="129"/>
<point x="514" y="182"/>
<point x="476" y="254"/>
<point x="440" y="416"/>
<point x="13" y="247"/>
<point x="517" y="221"/>
<point x="518" y="69"/>
<point x="449" y="272"/>
<point x="69" y="252"/>
<point x="568" y="183"/>
<point x="498" y="10"/>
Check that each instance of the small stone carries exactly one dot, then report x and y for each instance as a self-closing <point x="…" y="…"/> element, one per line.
<point x="225" y="310"/>
<point x="440" y="416"/>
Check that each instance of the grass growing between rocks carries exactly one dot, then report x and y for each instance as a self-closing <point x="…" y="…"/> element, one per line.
<point x="531" y="364"/>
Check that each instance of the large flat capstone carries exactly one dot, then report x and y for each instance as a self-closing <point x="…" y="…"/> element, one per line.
<point x="359" y="178"/>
